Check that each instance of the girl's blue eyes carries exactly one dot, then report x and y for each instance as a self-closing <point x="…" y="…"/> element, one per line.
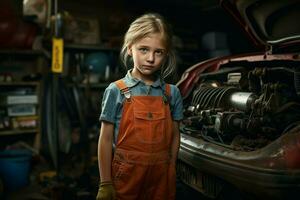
<point x="159" y="52"/>
<point x="145" y="50"/>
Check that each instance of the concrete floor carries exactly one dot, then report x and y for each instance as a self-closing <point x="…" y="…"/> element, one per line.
<point x="38" y="192"/>
<point x="183" y="192"/>
<point x="78" y="182"/>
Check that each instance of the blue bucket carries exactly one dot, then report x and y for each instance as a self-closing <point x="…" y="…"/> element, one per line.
<point x="14" y="168"/>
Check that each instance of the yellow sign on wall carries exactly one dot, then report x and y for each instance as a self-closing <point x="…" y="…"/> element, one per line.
<point x="57" y="55"/>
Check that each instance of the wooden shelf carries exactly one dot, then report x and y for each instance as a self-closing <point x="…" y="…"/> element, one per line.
<point x="18" y="132"/>
<point x="19" y="83"/>
<point x="91" y="85"/>
<point x="12" y="52"/>
<point x="82" y="47"/>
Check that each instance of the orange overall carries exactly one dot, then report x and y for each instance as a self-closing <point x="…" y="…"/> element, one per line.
<point x="141" y="167"/>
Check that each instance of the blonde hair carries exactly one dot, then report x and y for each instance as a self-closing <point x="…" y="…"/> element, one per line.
<point x="143" y="26"/>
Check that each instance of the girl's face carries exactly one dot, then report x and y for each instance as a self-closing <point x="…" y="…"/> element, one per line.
<point x="148" y="55"/>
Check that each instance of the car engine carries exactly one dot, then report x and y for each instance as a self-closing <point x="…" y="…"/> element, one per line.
<point x="243" y="108"/>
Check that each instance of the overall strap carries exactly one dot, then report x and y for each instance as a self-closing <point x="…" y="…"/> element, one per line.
<point x="168" y="90"/>
<point x="167" y="93"/>
<point x="123" y="88"/>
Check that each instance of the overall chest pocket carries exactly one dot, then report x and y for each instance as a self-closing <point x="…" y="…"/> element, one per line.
<point x="149" y="127"/>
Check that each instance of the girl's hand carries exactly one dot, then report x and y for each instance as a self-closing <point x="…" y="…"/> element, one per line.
<point x="106" y="191"/>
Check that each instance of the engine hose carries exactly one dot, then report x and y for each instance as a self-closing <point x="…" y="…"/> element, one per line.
<point x="211" y="97"/>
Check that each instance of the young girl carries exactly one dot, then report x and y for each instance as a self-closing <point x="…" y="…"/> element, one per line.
<point x="140" y="118"/>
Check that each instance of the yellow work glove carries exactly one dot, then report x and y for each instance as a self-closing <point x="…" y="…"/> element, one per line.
<point x="106" y="191"/>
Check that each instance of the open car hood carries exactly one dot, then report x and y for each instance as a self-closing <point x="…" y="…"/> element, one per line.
<point x="269" y="23"/>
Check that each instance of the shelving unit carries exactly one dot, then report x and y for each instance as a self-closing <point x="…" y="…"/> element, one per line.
<point x="21" y="74"/>
<point x="20" y="113"/>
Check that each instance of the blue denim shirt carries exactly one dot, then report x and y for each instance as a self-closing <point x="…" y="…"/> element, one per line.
<point x="112" y="102"/>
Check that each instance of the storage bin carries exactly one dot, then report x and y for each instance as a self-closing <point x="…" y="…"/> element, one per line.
<point x="14" y="168"/>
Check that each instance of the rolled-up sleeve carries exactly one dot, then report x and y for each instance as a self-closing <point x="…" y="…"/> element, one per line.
<point x="109" y="104"/>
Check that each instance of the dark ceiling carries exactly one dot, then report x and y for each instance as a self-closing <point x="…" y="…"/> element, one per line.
<point x="190" y="19"/>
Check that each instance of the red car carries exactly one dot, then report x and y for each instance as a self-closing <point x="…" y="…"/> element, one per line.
<point x="240" y="137"/>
